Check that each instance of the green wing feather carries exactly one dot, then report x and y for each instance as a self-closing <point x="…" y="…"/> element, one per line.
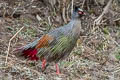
<point x="61" y="45"/>
<point x="58" y="48"/>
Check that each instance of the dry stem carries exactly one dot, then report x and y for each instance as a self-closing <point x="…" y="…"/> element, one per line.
<point x="106" y="9"/>
<point x="83" y="3"/>
<point x="72" y="6"/>
<point x="10" y="44"/>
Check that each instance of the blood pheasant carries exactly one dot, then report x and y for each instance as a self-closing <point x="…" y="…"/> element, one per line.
<point x="57" y="44"/>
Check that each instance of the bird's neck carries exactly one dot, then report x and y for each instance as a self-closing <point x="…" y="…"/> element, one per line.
<point x="76" y="18"/>
<point x="76" y="28"/>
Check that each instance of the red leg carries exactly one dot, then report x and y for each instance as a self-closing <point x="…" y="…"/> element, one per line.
<point x="57" y="69"/>
<point x="43" y="64"/>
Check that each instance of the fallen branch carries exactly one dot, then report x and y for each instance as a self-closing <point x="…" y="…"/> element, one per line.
<point x="10" y="44"/>
<point x="106" y="9"/>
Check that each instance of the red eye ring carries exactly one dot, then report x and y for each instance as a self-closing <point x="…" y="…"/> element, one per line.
<point x="80" y="12"/>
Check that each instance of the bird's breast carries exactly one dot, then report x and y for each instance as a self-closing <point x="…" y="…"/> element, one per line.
<point x="76" y="29"/>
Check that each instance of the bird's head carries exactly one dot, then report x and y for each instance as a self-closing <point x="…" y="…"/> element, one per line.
<point x="77" y="12"/>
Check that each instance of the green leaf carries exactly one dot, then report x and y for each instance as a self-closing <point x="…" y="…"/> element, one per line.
<point x="105" y="30"/>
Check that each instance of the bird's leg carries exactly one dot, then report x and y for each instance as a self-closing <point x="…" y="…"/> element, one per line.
<point x="57" y="69"/>
<point x="43" y="63"/>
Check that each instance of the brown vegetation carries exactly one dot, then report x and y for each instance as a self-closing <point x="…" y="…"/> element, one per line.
<point x="96" y="56"/>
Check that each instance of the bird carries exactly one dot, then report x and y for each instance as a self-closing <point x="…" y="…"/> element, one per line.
<point x="57" y="44"/>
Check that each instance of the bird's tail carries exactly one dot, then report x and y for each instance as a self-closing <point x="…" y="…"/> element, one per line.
<point x="28" y="51"/>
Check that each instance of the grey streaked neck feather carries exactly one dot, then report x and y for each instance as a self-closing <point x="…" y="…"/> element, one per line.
<point x="75" y="15"/>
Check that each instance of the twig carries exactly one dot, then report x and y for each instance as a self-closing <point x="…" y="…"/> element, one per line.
<point x="97" y="3"/>
<point x="83" y="3"/>
<point x="10" y="44"/>
<point x="117" y="70"/>
<point x="49" y="21"/>
<point x="63" y="15"/>
<point x="67" y="12"/>
<point x="15" y="10"/>
<point x="118" y="19"/>
<point x="98" y="20"/>
<point x="35" y="71"/>
<point x="72" y="6"/>
<point x="1" y="56"/>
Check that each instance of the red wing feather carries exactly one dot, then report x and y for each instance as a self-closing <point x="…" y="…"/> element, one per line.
<point x="31" y="52"/>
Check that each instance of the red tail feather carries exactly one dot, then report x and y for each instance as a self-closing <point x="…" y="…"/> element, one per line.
<point x="30" y="53"/>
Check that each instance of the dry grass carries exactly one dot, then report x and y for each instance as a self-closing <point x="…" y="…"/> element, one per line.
<point x="96" y="56"/>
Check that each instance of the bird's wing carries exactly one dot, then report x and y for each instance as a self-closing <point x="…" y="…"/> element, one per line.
<point x="44" y="41"/>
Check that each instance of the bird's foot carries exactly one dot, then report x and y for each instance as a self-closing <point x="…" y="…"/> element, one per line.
<point x="57" y="69"/>
<point x="43" y="64"/>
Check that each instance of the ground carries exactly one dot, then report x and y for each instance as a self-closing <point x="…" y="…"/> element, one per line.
<point x="95" y="57"/>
